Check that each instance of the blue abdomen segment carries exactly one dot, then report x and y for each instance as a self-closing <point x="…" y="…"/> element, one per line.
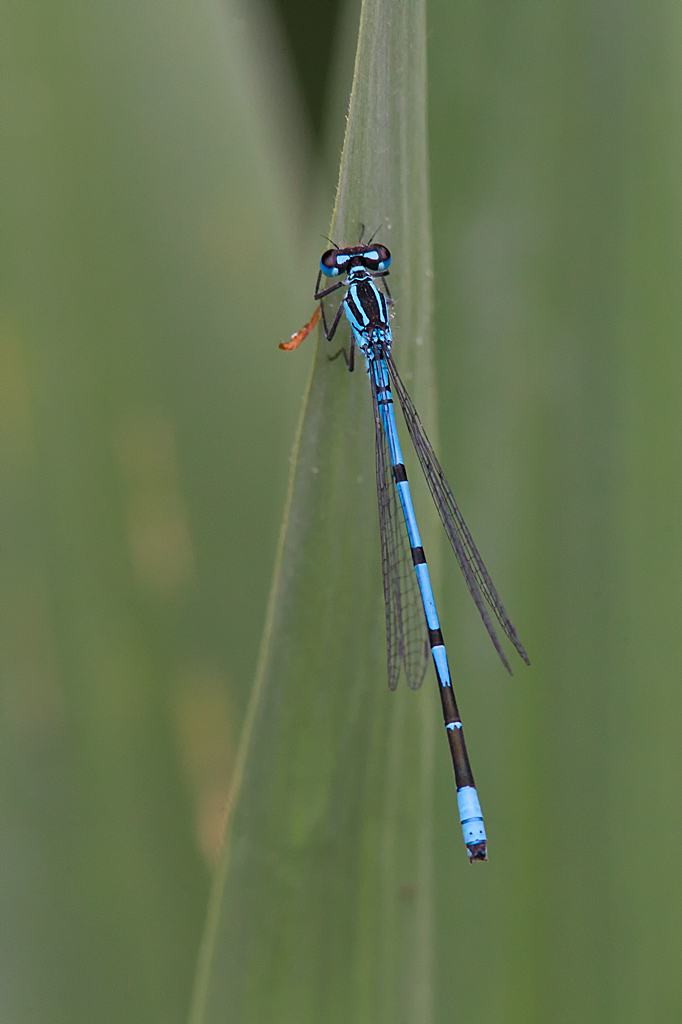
<point x="471" y="816"/>
<point x="442" y="668"/>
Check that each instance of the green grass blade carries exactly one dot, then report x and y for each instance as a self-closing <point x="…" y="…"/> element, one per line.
<point x="322" y="905"/>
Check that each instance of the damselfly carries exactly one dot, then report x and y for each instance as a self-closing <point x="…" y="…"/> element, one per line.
<point x="412" y="625"/>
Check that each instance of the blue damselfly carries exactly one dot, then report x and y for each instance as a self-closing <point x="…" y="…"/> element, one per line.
<point x="412" y="625"/>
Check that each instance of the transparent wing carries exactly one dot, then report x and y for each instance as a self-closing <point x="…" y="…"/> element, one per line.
<point x="406" y="632"/>
<point x="475" y="573"/>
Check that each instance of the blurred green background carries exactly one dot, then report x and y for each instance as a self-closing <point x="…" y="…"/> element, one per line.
<point x="168" y="169"/>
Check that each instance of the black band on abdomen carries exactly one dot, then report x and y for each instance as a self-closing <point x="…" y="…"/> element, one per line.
<point x="435" y="638"/>
<point x="418" y="556"/>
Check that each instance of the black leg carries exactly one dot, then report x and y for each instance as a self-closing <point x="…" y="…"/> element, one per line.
<point x="326" y="291"/>
<point x="339" y="352"/>
<point x="350" y="359"/>
<point x="329" y="332"/>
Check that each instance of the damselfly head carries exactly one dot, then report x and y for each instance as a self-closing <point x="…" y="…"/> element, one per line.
<point x="373" y="257"/>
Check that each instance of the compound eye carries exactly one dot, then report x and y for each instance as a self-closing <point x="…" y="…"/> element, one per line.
<point x="329" y="264"/>
<point x="383" y="257"/>
<point x="376" y="258"/>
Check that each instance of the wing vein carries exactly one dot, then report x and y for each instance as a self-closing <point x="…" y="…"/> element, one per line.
<point x="478" y="580"/>
<point x="406" y="631"/>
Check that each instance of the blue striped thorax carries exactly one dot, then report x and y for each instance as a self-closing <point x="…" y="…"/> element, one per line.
<point x="365" y="304"/>
<point x="367" y="312"/>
